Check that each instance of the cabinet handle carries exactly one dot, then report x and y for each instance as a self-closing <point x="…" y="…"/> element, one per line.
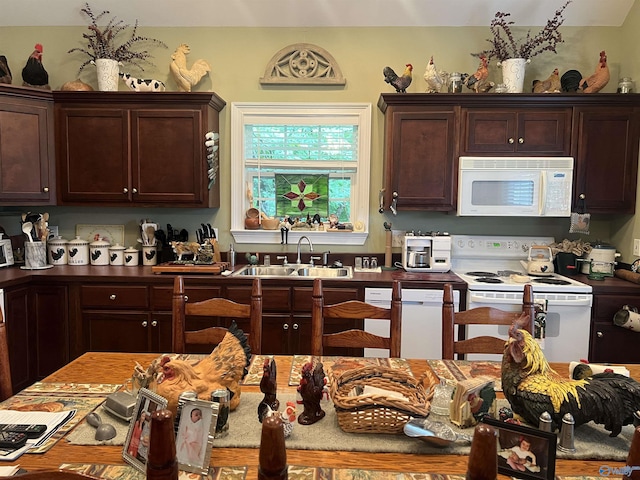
<point x="295" y="326"/>
<point x="134" y="190"/>
<point x="45" y="189"/>
<point x="144" y="324"/>
<point x="112" y="296"/>
<point x="521" y="140"/>
<point x="154" y="323"/>
<point x="125" y="190"/>
<point x="599" y="334"/>
<point x="186" y="298"/>
<point x="285" y="326"/>
<point x="511" y="141"/>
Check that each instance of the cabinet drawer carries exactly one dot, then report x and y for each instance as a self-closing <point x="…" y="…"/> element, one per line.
<point x="162" y="297"/>
<point x="114" y="296"/>
<point x="303" y="297"/>
<point x="605" y="306"/>
<point x="274" y="299"/>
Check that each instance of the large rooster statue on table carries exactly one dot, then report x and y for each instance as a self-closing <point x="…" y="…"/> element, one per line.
<point x="532" y="387"/>
<point x="225" y="367"/>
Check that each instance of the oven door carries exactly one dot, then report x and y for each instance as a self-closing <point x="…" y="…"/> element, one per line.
<point x="568" y="322"/>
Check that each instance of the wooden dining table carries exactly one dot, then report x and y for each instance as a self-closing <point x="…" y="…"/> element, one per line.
<point x="115" y="368"/>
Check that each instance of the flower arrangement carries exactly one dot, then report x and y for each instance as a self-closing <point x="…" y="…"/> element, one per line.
<point x="103" y="42"/>
<point x="505" y="46"/>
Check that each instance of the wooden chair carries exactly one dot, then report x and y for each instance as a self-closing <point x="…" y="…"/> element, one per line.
<point x="54" y="475"/>
<point x="354" y="309"/>
<point x="214" y="307"/>
<point x="483" y="344"/>
<point x="6" y="390"/>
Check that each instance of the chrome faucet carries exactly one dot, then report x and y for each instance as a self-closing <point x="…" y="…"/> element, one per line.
<point x="298" y="261"/>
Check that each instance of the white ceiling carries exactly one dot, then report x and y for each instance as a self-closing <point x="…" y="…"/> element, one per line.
<point x="312" y="13"/>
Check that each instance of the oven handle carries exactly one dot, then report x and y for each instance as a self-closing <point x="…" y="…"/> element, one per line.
<point x="580" y="301"/>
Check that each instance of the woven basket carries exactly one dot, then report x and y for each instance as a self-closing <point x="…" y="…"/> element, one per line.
<point x="378" y="413"/>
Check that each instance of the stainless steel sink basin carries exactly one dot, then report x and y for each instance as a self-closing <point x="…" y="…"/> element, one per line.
<point x="294" y="271"/>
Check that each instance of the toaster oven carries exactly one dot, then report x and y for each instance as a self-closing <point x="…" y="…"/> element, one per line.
<point x="6" y="252"/>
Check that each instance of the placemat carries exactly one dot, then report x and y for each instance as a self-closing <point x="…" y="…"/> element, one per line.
<point x="458" y="370"/>
<point x="55" y="397"/>
<point x="255" y="368"/>
<point x="126" y="472"/>
<point x="295" y="472"/>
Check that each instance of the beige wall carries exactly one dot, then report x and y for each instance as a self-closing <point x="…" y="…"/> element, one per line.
<point x="238" y="57"/>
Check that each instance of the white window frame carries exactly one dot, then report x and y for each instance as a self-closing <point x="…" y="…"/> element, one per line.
<point x="243" y="112"/>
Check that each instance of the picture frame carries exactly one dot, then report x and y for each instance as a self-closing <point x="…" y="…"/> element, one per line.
<point x="514" y="456"/>
<point x="136" y="446"/>
<point x="194" y="439"/>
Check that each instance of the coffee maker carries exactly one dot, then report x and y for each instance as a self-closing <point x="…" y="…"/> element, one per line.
<point x="429" y="252"/>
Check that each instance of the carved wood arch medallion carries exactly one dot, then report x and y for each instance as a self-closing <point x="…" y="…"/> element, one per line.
<point x="303" y="64"/>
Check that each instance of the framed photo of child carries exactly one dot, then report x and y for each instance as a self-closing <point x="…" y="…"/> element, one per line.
<point x="136" y="446"/>
<point x="196" y="431"/>
<point x="525" y="452"/>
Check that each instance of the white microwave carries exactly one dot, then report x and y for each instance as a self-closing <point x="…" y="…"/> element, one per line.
<point x="515" y="186"/>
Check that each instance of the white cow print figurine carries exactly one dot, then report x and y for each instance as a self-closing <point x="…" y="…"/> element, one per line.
<point x="142" y="85"/>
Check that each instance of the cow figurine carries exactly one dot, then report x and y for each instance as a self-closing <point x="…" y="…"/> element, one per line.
<point x="184" y="248"/>
<point x="142" y="85"/>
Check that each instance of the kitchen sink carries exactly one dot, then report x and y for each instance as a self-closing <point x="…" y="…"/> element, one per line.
<point x="293" y="271"/>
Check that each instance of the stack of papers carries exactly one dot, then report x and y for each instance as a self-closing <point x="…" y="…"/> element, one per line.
<point x="53" y="421"/>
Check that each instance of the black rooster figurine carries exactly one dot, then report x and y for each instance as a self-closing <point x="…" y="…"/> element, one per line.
<point x="311" y="389"/>
<point x="268" y="386"/>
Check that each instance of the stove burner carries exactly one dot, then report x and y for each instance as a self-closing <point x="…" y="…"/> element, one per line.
<point x="488" y="280"/>
<point x="551" y="281"/>
<point x="481" y="274"/>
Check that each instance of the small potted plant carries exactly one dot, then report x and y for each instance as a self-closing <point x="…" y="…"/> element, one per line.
<point x="512" y="54"/>
<point x="107" y="51"/>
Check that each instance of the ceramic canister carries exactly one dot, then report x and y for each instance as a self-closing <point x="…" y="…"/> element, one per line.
<point x="149" y="255"/>
<point x="58" y="249"/>
<point x="99" y="252"/>
<point x="116" y="254"/>
<point x="78" y="252"/>
<point x="131" y="256"/>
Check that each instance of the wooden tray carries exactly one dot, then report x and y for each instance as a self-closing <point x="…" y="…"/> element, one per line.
<point x="173" y="267"/>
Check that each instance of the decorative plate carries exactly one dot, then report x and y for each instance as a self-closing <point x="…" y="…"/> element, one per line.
<point x="114" y="234"/>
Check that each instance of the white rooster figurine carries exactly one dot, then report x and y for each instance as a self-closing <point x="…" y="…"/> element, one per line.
<point x="435" y="79"/>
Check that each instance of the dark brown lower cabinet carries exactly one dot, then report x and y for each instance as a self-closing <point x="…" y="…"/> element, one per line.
<point x="37" y="329"/>
<point x="610" y="343"/>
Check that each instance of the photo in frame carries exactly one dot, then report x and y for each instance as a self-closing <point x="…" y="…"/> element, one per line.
<point x="525" y="452"/>
<point x="136" y="446"/>
<point x="196" y="431"/>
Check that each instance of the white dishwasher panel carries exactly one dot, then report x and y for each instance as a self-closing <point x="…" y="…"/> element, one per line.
<point x="421" y="321"/>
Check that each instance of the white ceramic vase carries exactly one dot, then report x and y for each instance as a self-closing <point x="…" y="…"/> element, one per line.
<point x="107" y="71"/>
<point x="513" y="73"/>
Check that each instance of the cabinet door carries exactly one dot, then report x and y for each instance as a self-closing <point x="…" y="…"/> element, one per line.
<point x="420" y="166"/>
<point x="276" y="334"/>
<point x="608" y="342"/>
<point x="22" y="348"/>
<point x="92" y="151"/>
<point x="110" y="331"/>
<point x="167" y="151"/>
<point x="51" y="332"/>
<point x="607" y="158"/>
<point x="27" y="156"/>
<point x="543" y="132"/>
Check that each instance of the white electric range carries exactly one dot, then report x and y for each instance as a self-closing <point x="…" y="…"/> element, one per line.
<point x="495" y="278"/>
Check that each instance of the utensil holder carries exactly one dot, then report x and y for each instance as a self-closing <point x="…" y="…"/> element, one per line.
<point x="35" y="255"/>
<point x="149" y="255"/>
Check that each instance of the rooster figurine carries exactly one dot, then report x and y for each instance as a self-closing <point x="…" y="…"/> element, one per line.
<point x="187" y="77"/>
<point x="435" y="79"/>
<point x="399" y="83"/>
<point x="268" y="386"/>
<point x="476" y="81"/>
<point x="225" y="367"/>
<point x="599" y="79"/>
<point x="5" y="72"/>
<point x="550" y="85"/>
<point x="532" y="387"/>
<point x="311" y="390"/>
<point x="33" y="73"/>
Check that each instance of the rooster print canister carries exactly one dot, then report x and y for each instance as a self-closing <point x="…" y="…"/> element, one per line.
<point x="108" y="72"/>
<point x="513" y="74"/>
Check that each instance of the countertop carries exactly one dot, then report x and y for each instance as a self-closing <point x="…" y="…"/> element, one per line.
<point x="14" y="275"/>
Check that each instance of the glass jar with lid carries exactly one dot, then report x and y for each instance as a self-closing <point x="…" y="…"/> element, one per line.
<point x="626" y="85"/>
<point x="455" y="83"/>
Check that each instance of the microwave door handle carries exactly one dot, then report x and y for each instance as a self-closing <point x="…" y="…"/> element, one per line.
<point x="542" y="204"/>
